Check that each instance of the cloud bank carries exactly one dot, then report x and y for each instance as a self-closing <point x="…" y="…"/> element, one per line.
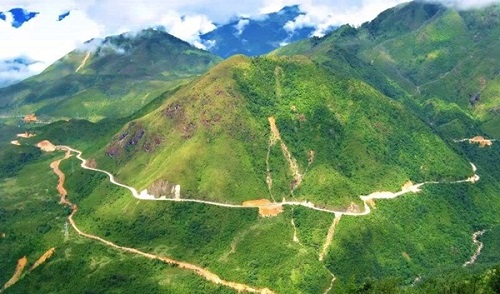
<point x="62" y="25"/>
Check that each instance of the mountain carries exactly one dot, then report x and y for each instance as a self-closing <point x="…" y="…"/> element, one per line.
<point x="113" y="77"/>
<point x="444" y="58"/>
<point x="218" y="128"/>
<point x="308" y="170"/>
<point x="257" y="36"/>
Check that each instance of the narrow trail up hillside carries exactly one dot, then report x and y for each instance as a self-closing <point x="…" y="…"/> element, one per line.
<point x="209" y="276"/>
<point x="292" y="162"/>
<point x="83" y="62"/>
<point x="479" y="247"/>
<point x="295" y="238"/>
<point x="329" y="236"/>
<point x="331" y="284"/>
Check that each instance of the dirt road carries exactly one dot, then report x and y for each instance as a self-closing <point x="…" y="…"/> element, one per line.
<point x="60" y="184"/>
<point x="211" y="277"/>
<point x="408" y="187"/>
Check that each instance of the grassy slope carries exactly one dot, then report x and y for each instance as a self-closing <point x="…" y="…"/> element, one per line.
<point x="34" y="224"/>
<point x="219" y="123"/>
<point x="449" y="55"/>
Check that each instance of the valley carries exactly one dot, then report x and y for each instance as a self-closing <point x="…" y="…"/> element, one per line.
<point x="261" y="205"/>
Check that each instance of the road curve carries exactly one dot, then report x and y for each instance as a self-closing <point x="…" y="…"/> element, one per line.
<point x="479" y="247"/>
<point x="209" y="276"/>
<point x="413" y="188"/>
<point x="407" y="188"/>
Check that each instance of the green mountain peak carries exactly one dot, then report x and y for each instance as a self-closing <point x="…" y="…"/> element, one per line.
<point x="113" y="77"/>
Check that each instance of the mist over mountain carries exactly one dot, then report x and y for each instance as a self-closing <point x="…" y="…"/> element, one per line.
<point x="126" y="71"/>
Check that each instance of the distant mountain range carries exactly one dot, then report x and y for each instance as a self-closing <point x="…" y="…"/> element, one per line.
<point x="256" y="36"/>
<point x="243" y="35"/>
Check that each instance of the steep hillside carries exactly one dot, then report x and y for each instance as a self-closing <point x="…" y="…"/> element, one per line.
<point x="317" y="137"/>
<point x="273" y="128"/>
<point x="109" y="78"/>
<point x="446" y="59"/>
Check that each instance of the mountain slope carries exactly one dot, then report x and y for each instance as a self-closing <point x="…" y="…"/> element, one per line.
<point x="444" y="58"/>
<point x="212" y="137"/>
<point x="215" y="138"/>
<point x="319" y="130"/>
<point x="108" y="78"/>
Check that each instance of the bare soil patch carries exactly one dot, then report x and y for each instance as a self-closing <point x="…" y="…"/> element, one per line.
<point x="46" y="146"/>
<point x="21" y="264"/>
<point x="43" y="258"/>
<point x="266" y="207"/>
<point x="481" y="141"/>
<point x="30" y="118"/>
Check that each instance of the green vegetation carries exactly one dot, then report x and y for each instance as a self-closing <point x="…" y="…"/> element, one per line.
<point x="378" y="105"/>
<point x="438" y="55"/>
<point x="221" y="155"/>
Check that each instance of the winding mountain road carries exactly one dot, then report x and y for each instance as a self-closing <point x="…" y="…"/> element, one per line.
<point x="407" y="188"/>
<point x="209" y="276"/>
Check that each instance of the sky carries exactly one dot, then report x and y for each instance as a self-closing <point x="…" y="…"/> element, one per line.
<point x="51" y="32"/>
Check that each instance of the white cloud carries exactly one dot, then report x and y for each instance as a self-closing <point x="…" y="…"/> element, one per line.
<point x="323" y="15"/>
<point x="240" y="26"/>
<point x="467" y="4"/>
<point x="14" y="70"/>
<point x="43" y="38"/>
<point x="188" y="27"/>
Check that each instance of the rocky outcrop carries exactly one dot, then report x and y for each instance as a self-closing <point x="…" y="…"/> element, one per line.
<point x="163" y="188"/>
